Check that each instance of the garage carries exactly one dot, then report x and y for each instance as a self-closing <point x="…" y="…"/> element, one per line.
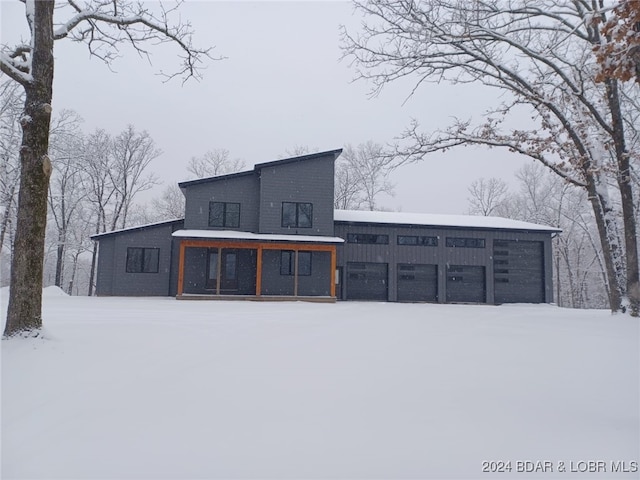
<point x="417" y="283"/>
<point x="518" y="271"/>
<point x="466" y="284"/>
<point x="367" y="281"/>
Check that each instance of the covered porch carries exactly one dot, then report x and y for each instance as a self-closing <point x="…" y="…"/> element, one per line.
<point x="231" y="265"/>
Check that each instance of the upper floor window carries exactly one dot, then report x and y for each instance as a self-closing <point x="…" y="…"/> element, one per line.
<point x="370" y="238"/>
<point x="297" y="215"/>
<point x="142" y="260"/>
<point x="417" y="240"/>
<point x="465" y="242"/>
<point x="224" y="214"/>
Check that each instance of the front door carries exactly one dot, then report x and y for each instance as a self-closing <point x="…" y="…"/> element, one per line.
<point x="223" y="267"/>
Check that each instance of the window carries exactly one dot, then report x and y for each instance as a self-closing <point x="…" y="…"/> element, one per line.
<point x="142" y="260"/>
<point x="465" y="242"/>
<point x="287" y="263"/>
<point x="297" y="215"/>
<point x="223" y="214"/>
<point x="369" y="238"/>
<point x="417" y="240"/>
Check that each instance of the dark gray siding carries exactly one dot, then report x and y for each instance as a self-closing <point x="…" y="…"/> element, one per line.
<point x="318" y="283"/>
<point x="440" y="255"/>
<point x="305" y="181"/>
<point x="272" y="282"/>
<point x="242" y="189"/>
<point x="105" y="271"/>
<point x="113" y="279"/>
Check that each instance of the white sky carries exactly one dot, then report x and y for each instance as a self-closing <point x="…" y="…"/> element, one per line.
<point x="282" y="85"/>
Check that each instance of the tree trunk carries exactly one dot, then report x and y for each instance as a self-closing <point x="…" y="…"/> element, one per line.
<point x="626" y="197"/>
<point x="611" y="250"/>
<point x="24" y="311"/>
<point x="92" y="273"/>
<point x="60" y="261"/>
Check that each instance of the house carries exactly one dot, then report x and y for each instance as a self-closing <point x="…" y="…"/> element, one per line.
<point x="271" y="233"/>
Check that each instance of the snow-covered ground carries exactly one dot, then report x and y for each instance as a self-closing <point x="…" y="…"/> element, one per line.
<point x="158" y="388"/>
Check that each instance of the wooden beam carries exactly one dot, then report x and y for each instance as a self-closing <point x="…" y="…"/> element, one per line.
<point x="181" y="269"/>
<point x="332" y="289"/>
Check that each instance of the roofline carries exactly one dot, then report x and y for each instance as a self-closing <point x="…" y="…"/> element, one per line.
<point x="98" y="236"/>
<point x="543" y="229"/>
<point x="447" y="227"/>
<point x="258" y="166"/>
<point x="309" y="156"/>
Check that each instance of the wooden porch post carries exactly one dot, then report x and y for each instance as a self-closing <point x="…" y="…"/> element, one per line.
<point x="332" y="289"/>
<point x="295" y="272"/>
<point x="181" y="269"/>
<point x="219" y="270"/>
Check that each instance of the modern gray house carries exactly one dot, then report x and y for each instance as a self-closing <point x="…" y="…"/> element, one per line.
<point x="271" y="233"/>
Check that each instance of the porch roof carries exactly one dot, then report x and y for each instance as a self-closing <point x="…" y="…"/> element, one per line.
<point x="256" y="237"/>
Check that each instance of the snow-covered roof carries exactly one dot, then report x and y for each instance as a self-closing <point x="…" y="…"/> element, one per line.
<point x="137" y="227"/>
<point x="437" y="220"/>
<point x="268" y="237"/>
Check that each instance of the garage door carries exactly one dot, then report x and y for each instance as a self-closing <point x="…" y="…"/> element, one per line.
<point x="417" y="283"/>
<point x="367" y="281"/>
<point x="466" y="283"/>
<point x="518" y="272"/>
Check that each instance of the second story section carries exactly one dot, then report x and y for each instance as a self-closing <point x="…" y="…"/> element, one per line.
<point x="227" y="202"/>
<point x="296" y="194"/>
<point x="292" y="196"/>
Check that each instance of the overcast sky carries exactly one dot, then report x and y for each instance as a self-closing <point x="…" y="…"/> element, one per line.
<point x="282" y="84"/>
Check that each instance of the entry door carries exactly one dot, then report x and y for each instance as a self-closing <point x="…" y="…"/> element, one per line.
<point x="228" y="270"/>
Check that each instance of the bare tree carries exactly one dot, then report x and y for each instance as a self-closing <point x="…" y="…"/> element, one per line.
<point x="131" y="153"/>
<point x="214" y="162"/>
<point x="362" y="175"/>
<point x="539" y="54"/>
<point x="103" y="26"/>
<point x="11" y="101"/>
<point x="170" y="204"/>
<point x="487" y="196"/>
<point x="65" y="188"/>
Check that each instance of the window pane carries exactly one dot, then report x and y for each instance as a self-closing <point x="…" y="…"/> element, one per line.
<point x="134" y="260"/>
<point x="213" y="265"/>
<point x="305" y="215"/>
<point x="288" y="214"/>
<point x="286" y="262"/>
<point x="407" y="240"/>
<point x="232" y="218"/>
<point x="150" y="264"/>
<point x="230" y="267"/>
<point x="304" y="263"/>
<point x="216" y="214"/>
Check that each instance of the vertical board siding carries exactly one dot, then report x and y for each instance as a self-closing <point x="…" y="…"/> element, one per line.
<point x="441" y="256"/>
<point x="242" y="189"/>
<point x="309" y="181"/>
<point x="112" y="268"/>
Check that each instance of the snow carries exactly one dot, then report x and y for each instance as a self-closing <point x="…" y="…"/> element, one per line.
<point x="138" y="227"/>
<point x="437" y="220"/>
<point x="235" y="235"/>
<point x="157" y="388"/>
